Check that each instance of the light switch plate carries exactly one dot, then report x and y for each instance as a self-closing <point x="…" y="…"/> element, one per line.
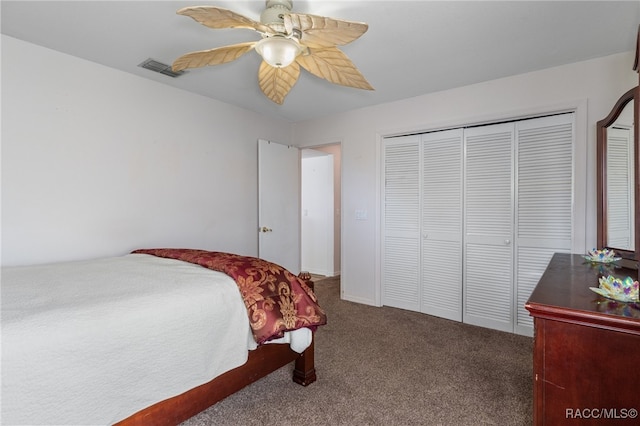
<point x="361" y="215"/>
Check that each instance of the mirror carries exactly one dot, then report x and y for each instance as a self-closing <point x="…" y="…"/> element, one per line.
<point x="618" y="161"/>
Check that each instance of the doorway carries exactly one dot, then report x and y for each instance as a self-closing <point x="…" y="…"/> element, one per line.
<point x="321" y="210"/>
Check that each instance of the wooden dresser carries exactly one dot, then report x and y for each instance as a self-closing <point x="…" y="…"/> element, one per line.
<point x="586" y="360"/>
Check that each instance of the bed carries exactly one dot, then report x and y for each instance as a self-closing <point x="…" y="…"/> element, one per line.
<point x="152" y="337"/>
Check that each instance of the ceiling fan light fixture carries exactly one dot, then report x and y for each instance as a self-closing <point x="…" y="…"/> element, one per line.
<point x="278" y="51"/>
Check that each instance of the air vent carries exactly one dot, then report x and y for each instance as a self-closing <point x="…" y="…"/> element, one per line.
<point x="153" y="65"/>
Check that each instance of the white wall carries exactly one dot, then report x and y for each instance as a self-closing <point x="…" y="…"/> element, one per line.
<point x="317" y="213"/>
<point x="595" y="85"/>
<point x="335" y="150"/>
<point x="98" y="162"/>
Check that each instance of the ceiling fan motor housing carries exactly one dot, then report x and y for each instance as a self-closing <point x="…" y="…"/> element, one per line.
<point x="272" y="15"/>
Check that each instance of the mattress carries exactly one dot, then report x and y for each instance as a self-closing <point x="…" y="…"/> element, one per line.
<point x="92" y="342"/>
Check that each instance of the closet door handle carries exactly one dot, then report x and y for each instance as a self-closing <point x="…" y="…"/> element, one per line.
<point x="507" y="242"/>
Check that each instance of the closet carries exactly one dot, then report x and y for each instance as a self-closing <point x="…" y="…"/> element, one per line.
<point x="471" y="217"/>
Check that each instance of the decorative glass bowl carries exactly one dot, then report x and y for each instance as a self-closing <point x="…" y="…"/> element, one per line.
<point x="621" y="290"/>
<point x="601" y="256"/>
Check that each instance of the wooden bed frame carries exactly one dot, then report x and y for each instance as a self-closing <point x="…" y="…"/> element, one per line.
<point x="262" y="361"/>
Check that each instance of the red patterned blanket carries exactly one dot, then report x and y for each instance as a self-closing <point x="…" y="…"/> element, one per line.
<point x="276" y="300"/>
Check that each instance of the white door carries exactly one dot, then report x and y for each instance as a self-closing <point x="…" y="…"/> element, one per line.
<point x="279" y="204"/>
<point x="401" y="223"/>
<point x="544" y="203"/>
<point x="422" y="223"/>
<point x="442" y="224"/>
<point x="488" y="226"/>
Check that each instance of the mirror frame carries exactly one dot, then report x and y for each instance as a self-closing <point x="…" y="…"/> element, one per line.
<point x="632" y="95"/>
<point x="602" y="125"/>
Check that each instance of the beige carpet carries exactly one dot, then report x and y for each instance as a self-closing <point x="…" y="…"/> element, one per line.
<point x="386" y="366"/>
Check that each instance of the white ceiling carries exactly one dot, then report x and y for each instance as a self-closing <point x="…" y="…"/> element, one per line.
<point x="411" y="48"/>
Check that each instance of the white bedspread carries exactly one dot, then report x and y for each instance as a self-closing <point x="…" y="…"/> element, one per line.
<point x="83" y="345"/>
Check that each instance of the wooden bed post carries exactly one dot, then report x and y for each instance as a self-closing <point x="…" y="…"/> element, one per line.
<point x="304" y="372"/>
<point x="306" y="277"/>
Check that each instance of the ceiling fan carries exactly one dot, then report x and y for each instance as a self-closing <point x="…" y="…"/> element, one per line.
<point x="289" y="41"/>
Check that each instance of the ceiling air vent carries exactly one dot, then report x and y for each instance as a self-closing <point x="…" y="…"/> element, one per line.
<point x="153" y="65"/>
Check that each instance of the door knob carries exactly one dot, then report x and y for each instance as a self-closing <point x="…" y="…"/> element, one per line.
<point x="265" y="229"/>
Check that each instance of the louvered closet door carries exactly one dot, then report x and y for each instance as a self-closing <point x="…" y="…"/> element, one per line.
<point x="401" y="217"/>
<point x="488" y="227"/>
<point x="544" y="170"/>
<point x="442" y="224"/>
<point x="619" y="188"/>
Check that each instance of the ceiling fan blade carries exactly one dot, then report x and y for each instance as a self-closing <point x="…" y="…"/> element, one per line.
<point x="218" y="17"/>
<point x="215" y="56"/>
<point x="277" y="82"/>
<point x="320" y="31"/>
<point x="333" y="65"/>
